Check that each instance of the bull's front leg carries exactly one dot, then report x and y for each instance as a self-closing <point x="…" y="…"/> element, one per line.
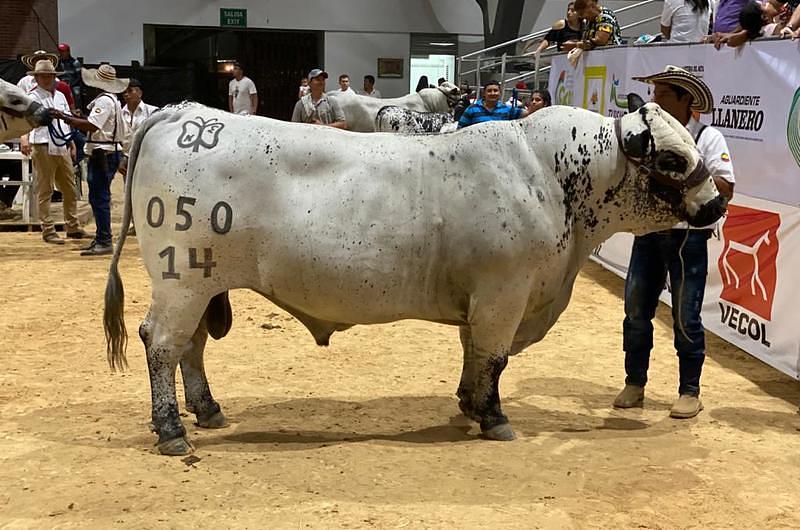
<point x="487" y="343"/>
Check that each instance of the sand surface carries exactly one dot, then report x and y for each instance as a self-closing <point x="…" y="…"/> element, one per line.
<point x="365" y="433"/>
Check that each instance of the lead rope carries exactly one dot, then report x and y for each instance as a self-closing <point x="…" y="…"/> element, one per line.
<point x="680" y="289"/>
<point x="59" y="137"/>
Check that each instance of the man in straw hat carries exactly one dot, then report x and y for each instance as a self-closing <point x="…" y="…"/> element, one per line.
<point x="27" y="83"/>
<point x="106" y="130"/>
<point x="52" y="162"/>
<point x="680" y="251"/>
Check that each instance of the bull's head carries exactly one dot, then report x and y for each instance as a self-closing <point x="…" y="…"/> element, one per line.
<point x="14" y="102"/>
<point x="451" y="92"/>
<point x="665" y="152"/>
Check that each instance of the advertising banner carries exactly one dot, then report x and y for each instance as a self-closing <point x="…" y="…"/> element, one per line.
<point x="755" y="253"/>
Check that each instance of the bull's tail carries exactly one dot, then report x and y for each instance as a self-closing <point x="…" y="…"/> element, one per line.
<point x="113" y="314"/>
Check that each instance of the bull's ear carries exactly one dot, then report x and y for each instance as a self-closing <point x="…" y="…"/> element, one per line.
<point x="635" y="101"/>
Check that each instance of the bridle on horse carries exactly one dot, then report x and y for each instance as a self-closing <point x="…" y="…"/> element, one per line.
<point x="647" y="166"/>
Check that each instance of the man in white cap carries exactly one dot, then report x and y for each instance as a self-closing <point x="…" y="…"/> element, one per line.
<point x="316" y="107"/>
<point x="51" y="160"/>
<point x="107" y="131"/>
<point x="27" y="83"/>
<point x="680" y="252"/>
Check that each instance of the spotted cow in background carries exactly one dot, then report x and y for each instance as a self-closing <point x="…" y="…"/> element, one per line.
<point x="399" y="120"/>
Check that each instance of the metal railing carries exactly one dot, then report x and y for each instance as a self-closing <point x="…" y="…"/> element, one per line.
<point x="492" y="62"/>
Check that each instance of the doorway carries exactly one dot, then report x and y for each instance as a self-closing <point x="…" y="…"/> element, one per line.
<point x="274" y="60"/>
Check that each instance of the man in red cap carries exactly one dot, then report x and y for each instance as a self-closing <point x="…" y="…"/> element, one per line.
<point x="72" y="72"/>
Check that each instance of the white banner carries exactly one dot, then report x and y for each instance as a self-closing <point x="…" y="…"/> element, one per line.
<point x="752" y="260"/>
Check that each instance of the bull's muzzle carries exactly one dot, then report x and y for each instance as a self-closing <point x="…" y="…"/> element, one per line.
<point x="38" y="115"/>
<point x="709" y="212"/>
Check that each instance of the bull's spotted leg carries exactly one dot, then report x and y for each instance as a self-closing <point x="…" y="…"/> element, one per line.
<point x="486" y="345"/>
<point x="195" y="384"/>
<point x="168" y="336"/>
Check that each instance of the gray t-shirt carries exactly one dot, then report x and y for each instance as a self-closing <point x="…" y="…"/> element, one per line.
<point x="326" y="110"/>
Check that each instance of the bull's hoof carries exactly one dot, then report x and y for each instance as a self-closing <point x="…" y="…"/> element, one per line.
<point x="215" y="421"/>
<point x="176" y="447"/>
<point x="500" y="433"/>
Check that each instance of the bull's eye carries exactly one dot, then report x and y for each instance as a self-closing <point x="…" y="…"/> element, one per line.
<point x="671" y="161"/>
<point x="16" y="101"/>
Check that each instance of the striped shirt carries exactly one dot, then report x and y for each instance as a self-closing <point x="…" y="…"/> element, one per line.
<point x="477" y="113"/>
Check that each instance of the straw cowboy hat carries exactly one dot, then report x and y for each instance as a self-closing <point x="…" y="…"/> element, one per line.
<point x="702" y="99"/>
<point x="32" y="58"/>
<point x="44" y="67"/>
<point x="104" y="78"/>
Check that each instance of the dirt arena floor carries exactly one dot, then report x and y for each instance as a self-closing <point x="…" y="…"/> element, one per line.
<point x="364" y="434"/>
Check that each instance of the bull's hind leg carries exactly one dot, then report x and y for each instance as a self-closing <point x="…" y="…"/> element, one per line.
<point x="168" y="333"/>
<point x="195" y="384"/>
<point x="487" y="343"/>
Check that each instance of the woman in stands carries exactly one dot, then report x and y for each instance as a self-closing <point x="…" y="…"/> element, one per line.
<point x="685" y="20"/>
<point x="565" y="33"/>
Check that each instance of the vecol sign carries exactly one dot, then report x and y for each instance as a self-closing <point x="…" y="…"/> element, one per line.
<point x="230" y="17"/>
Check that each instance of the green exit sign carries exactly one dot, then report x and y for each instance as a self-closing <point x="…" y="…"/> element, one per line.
<point x="232" y="17"/>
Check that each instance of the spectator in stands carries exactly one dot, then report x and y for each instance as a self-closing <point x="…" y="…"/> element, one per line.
<point x="539" y="100"/>
<point x="602" y="27"/>
<point x="565" y="33"/>
<point x="685" y="20"/>
<point x="27" y="83"/>
<point x="423" y="83"/>
<point x="680" y="252"/>
<point x="304" y="88"/>
<point x="316" y="107"/>
<point x="726" y="15"/>
<point x="107" y="132"/>
<point x="463" y="102"/>
<point x="72" y="71"/>
<point x="756" y="19"/>
<point x="369" y="87"/>
<point x="490" y="108"/>
<point x="344" y="84"/>
<point x="242" y="93"/>
<point x="792" y="27"/>
<point x="51" y="161"/>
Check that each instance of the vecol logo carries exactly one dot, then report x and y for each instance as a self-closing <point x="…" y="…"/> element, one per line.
<point x="748" y="269"/>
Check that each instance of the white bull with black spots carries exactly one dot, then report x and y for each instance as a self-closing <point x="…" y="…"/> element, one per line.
<point x="485" y="228"/>
<point x="19" y="113"/>
<point x="404" y="121"/>
<point x="360" y="111"/>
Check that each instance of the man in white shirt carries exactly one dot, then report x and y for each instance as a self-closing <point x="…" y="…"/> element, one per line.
<point x="51" y="160"/>
<point x="135" y="111"/>
<point x="369" y="87"/>
<point x="27" y="83"/>
<point x="107" y="133"/>
<point x="344" y="84"/>
<point x="242" y="93"/>
<point x="682" y="252"/>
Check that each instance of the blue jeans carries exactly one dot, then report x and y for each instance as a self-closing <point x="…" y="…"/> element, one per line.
<point x="102" y="166"/>
<point x="654" y="255"/>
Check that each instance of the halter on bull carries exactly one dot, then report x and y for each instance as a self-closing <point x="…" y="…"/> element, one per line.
<point x="485" y="228"/>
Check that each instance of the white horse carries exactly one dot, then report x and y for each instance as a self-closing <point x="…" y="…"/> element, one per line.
<point x="19" y="113"/>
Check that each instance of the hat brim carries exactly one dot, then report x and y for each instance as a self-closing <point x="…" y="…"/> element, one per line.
<point x="115" y="86"/>
<point x="27" y="60"/>
<point x="702" y="98"/>
<point x="34" y="72"/>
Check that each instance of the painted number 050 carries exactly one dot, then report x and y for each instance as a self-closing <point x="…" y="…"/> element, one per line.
<point x="221" y="214"/>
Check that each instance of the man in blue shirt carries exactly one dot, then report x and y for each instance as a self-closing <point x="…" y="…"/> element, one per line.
<point x="490" y="108"/>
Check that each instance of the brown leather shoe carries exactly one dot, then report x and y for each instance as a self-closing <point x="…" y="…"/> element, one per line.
<point x="686" y="407"/>
<point x="631" y="396"/>
<point x="53" y="239"/>
<point x="79" y="234"/>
